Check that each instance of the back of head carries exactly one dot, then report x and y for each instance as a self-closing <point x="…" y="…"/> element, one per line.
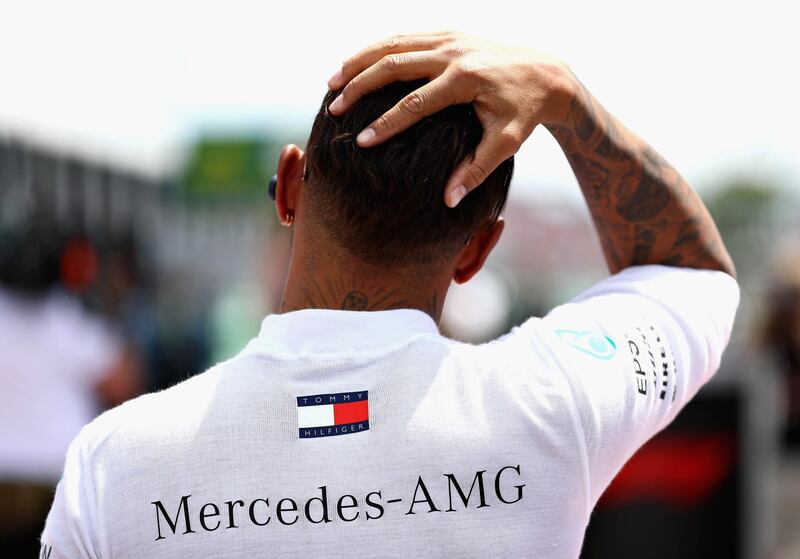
<point x="385" y="204"/>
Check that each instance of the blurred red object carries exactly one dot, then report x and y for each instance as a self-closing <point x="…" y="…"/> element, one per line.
<point x="78" y="265"/>
<point x="682" y="470"/>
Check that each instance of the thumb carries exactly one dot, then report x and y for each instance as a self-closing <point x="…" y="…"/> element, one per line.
<point x="495" y="147"/>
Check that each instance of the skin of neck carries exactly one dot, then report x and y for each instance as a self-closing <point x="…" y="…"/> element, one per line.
<point x="323" y="275"/>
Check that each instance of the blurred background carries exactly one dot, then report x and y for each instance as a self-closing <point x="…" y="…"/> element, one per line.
<point x="138" y="246"/>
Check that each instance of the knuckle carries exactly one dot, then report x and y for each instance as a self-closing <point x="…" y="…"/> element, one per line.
<point x="383" y="122"/>
<point x="461" y="70"/>
<point x="454" y="50"/>
<point x="450" y="36"/>
<point x="507" y="142"/>
<point x="348" y="63"/>
<point x="476" y="172"/>
<point x="350" y="90"/>
<point x="413" y="103"/>
<point x="457" y="70"/>
<point x="390" y="62"/>
<point x="391" y="43"/>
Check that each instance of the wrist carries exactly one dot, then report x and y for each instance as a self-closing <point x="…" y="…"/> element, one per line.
<point x="565" y="100"/>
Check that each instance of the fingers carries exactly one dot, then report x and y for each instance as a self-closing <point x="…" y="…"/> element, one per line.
<point x="391" y="68"/>
<point x="370" y="55"/>
<point x="428" y="99"/>
<point x="495" y="147"/>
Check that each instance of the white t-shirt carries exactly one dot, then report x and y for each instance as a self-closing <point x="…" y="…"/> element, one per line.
<point x="338" y="433"/>
<point x="52" y="354"/>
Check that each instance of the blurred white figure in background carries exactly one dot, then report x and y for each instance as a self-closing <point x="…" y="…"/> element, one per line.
<point x="54" y="356"/>
<point x="59" y="367"/>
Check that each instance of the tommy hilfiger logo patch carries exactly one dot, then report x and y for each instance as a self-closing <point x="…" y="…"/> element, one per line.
<point x="326" y="415"/>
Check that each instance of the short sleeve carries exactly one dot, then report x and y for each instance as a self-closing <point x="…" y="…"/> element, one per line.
<point x="634" y="349"/>
<point x="71" y="527"/>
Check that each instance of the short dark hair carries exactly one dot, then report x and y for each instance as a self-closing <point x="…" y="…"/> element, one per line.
<point x="385" y="204"/>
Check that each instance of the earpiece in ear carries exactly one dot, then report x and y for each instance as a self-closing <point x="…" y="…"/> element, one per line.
<point x="289" y="219"/>
<point x="273" y="184"/>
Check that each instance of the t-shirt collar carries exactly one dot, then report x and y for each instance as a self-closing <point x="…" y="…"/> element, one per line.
<point x="333" y="331"/>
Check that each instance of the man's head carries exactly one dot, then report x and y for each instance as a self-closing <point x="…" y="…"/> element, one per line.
<point x="385" y="205"/>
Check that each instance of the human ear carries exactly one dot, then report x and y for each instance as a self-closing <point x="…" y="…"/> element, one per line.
<point x="290" y="177"/>
<point x="472" y="257"/>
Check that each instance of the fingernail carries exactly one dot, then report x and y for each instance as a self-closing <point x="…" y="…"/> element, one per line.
<point x="365" y="136"/>
<point x="457" y="195"/>
<point x="335" y="79"/>
<point x="336" y="106"/>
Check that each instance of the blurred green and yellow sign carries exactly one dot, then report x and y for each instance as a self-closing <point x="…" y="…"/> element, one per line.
<point x="230" y="167"/>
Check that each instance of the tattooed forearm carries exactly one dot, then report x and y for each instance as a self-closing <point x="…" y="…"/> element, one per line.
<point x="644" y="211"/>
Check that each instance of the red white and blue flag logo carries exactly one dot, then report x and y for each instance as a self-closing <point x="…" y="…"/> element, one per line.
<point x="326" y="415"/>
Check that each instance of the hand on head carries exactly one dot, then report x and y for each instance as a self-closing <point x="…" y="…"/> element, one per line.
<point x="512" y="90"/>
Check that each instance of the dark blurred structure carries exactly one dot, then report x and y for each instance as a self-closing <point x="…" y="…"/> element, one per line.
<point x="761" y="225"/>
<point x="173" y="263"/>
<point x="119" y="235"/>
<point x="95" y="212"/>
<point x="780" y="336"/>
